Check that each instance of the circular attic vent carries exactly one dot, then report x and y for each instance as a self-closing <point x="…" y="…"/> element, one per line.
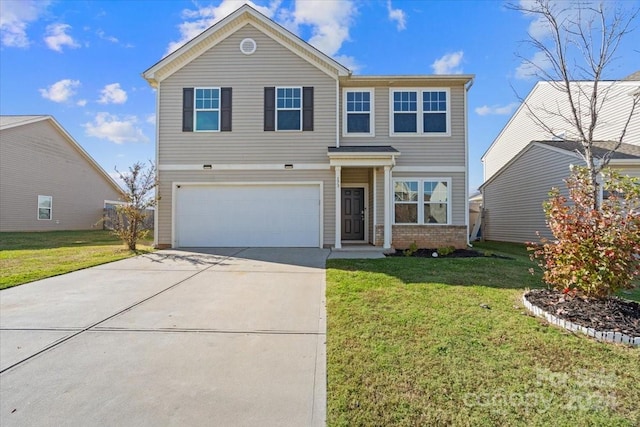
<point x="248" y="46"/>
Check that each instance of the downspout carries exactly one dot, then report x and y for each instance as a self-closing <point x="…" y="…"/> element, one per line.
<point x="157" y="195"/>
<point x="338" y="112"/>
<point x="466" y="158"/>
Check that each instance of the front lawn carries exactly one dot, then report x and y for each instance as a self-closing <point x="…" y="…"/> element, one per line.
<point x="25" y="257"/>
<point x="417" y="341"/>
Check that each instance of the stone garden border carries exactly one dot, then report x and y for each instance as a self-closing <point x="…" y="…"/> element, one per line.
<point x="615" y="337"/>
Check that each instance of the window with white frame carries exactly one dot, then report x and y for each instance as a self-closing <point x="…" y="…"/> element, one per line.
<point x="358" y="112"/>
<point x="289" y="108"/>
<point x="207" y="109"/>
<point x="422" y="201"/>
<point x="45" y="206"/>
<point x="419" y="112"/>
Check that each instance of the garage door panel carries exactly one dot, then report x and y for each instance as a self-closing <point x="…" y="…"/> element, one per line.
<point x="248" y="216"/>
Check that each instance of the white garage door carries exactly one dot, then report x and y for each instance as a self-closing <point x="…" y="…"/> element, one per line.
<point x="242" y="215"/>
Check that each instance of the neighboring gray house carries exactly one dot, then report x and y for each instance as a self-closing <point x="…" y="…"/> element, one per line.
<point x="262" y="140"/>
<point x="524" y="162"/>
<point x="47" y="181"/>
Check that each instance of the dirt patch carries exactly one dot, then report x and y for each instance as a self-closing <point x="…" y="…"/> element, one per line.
<point x="458" y="253"/>
<point x="608" y="315"/>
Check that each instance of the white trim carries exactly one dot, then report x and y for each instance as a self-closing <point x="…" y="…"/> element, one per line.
<point x="420" y="202"/>
<point x="243" y="166"/>
<point x="419" y="112"/>
<point x="387" y="208"/>
<point x="176" y="184"/>
<point x="113" y="202"/>
<point x="338" y="113"/>
<point x="365" y="186"/>
<point x="372" y="114"/>
<point x="196" y="110"/>
<point x="253" y="47"/>
<point x="364" y="162"/>
<point x="439" y="169"/>
<point x="338" y="212"/>
<point x="374" y="204"/>
<point x="156" y="220"/>
<point x="466" y="158"/>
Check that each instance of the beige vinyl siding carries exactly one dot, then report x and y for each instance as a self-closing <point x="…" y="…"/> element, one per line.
<point x="168" y="178"/>
<point x="457" y="191"/>
<point x="522" y="128"/>
<point x="513" y="199"/>
<point x="633" y="171"/>
<point x="417" y="150"/>
<point x="36" y="159"/>
<point x="225" y="66"/>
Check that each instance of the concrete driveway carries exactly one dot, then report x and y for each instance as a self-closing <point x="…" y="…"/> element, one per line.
<point x="224" y="337"/>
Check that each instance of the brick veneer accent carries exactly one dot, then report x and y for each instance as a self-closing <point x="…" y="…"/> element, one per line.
<point x="425" y="236"/>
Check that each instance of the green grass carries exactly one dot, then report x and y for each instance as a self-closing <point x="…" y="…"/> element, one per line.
<point x="25" y="257"/>
<point x="409" y="344"/>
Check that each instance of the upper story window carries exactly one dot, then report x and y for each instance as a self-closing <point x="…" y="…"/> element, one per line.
<point x="358" y="112"/>
<point x="45" y="206"/>
<point x="289" y="108"/>
<point x="422" y="201"/>
<point x="419" y="112"/>
<point x="207" y="109"/>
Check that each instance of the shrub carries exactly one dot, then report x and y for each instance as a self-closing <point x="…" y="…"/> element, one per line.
<point x="596" y="251"/>
<point x="412" y="249"/>
<point x="446" y="250"/>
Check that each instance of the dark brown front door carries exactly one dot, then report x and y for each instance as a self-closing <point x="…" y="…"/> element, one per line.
<point x="353" y="214"/>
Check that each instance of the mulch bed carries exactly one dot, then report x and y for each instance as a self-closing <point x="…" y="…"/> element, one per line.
<point x="458" y="253"/>
<point x="608" y="315"/>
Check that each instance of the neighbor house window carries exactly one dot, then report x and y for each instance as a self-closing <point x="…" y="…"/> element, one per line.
<point x="420" y="112"/>
<point x="406" y="202"/>
<point x="289" y="108"/>
<point x="207" y="109"/>
<point x="422" y="201"/>
<point x="358" y="112"/>
<point x="45" y="204"/>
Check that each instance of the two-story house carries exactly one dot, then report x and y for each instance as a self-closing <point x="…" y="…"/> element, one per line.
<point x="262" y="140"/>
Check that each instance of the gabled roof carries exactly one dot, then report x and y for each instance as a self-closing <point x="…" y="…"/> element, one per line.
<point x="229" y="25"/>
<point x="8" y="122"/>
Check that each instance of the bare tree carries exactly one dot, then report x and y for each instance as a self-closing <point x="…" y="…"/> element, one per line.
<point x="138" y="197"/>
<point x="576" y="46"/>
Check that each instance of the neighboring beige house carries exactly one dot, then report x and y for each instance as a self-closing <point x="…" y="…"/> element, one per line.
<point x="525" y="162"/>
<point x="47" y="181"/>
<point x="262" y="140"/>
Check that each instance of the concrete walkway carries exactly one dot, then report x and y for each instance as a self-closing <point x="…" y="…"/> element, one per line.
<point x="226" y="337"/>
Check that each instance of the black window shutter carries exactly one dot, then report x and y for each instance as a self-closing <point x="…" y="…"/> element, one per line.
<point x="187" y="109"/>
<point x="225" y="109"/>
<point x="269" y="108"/>
<point x="307" y="108"/>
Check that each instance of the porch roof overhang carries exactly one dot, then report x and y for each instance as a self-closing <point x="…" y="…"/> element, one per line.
<point x="363" y="156"/>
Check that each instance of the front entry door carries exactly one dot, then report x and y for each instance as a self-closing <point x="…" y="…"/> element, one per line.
<point x="353" y="214"/>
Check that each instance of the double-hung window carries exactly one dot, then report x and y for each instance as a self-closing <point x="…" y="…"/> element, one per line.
<point x="358" y="112"/>
<point x="207" y="109"/>
<point x="420" y="112"/>
<point x="422" y="201"/>
<point x="289" y="108"/>
<point x="45" y="205"/>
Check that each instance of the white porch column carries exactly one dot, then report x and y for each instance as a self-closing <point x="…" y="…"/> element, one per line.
<point x="387" y="207"/>
<point x="338" y="243"/>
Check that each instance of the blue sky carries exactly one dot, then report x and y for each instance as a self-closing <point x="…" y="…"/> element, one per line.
<point x="81" y="61"/>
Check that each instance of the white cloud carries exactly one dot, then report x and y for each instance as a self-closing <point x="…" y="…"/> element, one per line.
<point x="151" y="119"/>
<point x="198" y="20"/>
<point x="112" y="94"/>
<point x="60" y="91"/>
<point x="115" y="129"/>
<point x="529" y="68"/>
<point x="498" y="110"/>
<point x="329" y="20"/>
<point x="15" y="17"/>
<point x="57" y="37"/>
<point x="397" y="15"/>
<point x="448" y="64"/>
<point x="348" y="61"/>
<point x="104" y="36"/>
<point x="81" y="102"/>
